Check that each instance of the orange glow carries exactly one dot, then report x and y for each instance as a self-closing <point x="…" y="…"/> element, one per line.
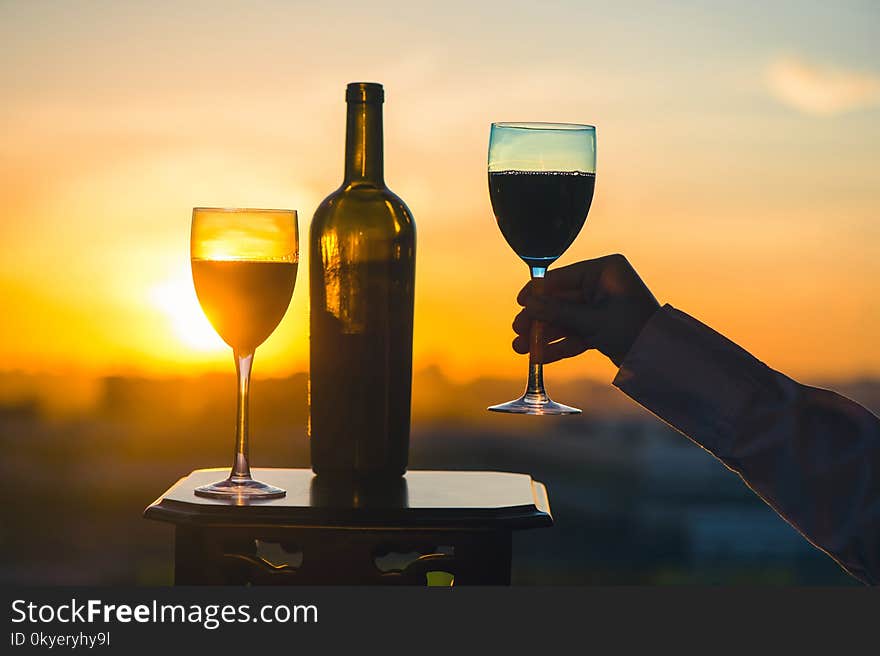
<point x="739" y="197"/>
<point x="176" y="299"/>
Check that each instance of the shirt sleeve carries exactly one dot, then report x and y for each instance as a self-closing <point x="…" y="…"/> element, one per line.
<point x="811" y="454"/>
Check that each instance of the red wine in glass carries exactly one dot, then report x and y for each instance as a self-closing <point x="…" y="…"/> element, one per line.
<point x="541" y="182"/>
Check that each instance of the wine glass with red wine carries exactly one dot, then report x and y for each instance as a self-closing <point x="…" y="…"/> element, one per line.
<point x="541" y="181"/>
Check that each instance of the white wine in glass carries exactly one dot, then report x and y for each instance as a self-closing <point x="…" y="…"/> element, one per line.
<point x="244" y="264"/>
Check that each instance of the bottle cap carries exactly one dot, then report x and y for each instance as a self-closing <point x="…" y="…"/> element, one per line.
<point x="364" y="92"/>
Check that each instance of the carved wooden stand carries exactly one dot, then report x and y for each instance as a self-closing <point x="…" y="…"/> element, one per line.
<point x="455" y="524"/>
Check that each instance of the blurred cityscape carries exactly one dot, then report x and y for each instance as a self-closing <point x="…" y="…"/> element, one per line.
<point x="634" y="501"/>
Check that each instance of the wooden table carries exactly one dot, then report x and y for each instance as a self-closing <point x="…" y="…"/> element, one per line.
<point x="428" y="526"/>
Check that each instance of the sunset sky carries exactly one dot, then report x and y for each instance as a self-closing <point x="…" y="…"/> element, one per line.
<point x="738" y="166"/>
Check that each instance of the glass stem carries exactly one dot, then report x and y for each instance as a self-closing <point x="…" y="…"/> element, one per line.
<point x="536" y="344"/>
<point x="241" y="470"/>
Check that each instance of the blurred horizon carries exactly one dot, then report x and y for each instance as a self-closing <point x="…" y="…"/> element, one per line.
<point x="736" y="167"/>
<point x="436" y="395"/>
<point x="633" y="501"/>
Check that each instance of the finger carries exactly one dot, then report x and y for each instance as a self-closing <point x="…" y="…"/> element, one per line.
<point x="567" y="294"/>
<point x="537" y="286"/>
<point x="524" y="292"/>
<point x="577" y="318"/>
<point x="580" y="275"/>
<point x="564" y="348"/>
<point x="571" y="293"/>
<point x="522" y="343"/>
<point x="522" y="325"/>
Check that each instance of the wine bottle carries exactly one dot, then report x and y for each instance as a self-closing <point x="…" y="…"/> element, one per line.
<point x="362" y="248"/>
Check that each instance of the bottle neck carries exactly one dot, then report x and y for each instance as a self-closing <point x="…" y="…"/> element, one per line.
<point x="364" y="160"/>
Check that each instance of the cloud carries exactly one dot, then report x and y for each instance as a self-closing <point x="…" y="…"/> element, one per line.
<point x="821" y="89"/>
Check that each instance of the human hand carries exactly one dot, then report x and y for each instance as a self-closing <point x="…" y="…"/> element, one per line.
<point x="600" y="304"/>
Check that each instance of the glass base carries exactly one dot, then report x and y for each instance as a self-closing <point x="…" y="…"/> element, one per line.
<point x="240" y="489"/>
<point x="535" y="404"/>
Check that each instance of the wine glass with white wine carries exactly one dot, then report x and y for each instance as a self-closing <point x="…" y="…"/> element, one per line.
<point x="244" y="264"/>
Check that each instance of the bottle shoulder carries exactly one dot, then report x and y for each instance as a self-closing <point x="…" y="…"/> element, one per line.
<point x="364" y="206"/>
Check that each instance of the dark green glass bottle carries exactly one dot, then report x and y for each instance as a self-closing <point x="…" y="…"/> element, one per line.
<point x="362" y="248"/>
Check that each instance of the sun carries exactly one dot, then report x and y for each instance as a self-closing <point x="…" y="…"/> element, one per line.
<point x="177" y="300"/>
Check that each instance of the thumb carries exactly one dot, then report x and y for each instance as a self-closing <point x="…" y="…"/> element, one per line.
<point x="578" y="318"/>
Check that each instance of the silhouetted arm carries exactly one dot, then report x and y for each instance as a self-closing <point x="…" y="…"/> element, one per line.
<point x="811" y="454"/>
